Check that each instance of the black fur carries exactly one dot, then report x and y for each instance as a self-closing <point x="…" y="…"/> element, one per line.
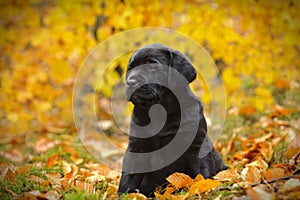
<point x="143" y="97"/>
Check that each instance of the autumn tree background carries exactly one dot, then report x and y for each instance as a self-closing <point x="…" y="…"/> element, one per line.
<point x="255" y="45"/>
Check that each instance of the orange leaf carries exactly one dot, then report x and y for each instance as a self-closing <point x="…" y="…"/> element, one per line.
<point x="83" y="186"/>
<point x="246" y="110"/>
<point x="226" y="175"/>
<point x="293" y="148"/>
<point x="199" y="177"/>
<point x="69" y="177"/>
<point x="273" y="173"/>
<point x="259" y="162"/>
<point x="251" y="174"/>
<point x="55" y="159"/>
<point x="159" y="196"/>
<point x="136" y="196"/>
<point x="266" y="150"/>
<point x="282" y="84"/>
<point x="169" y="190"/>
<point x="203" y="186"/>
<point x="179" y="180"/>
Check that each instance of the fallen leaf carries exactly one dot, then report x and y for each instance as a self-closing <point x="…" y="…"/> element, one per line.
<point x="226" y="175"/>
<point x="13" y="155"/>
<point x="44" y="144"/>
<point x="264" y="138"/>
<point x="247" y="110"/>
<point x="136" y="196"/>
<point x="259" y="193"/>
<point x="266" y="150"/>
<point x="52" y="195"/>
<point x="290" y="185"/>
<point x="279" y="110"/>
<point x="53" y="160"/>
<point x="203" y="186"/>
<point x="54" y="179"/>
<point x="199" y="177"/>
<point x="251" y="174"/>
<point x="9" y="174"/>
<point x="258" y="162"/>
<point x="69" y="177"/>
<point x="84" y="186"/>
<point x="273" y="173"/>
<point x="293" y="147"/>
<point x="111" y="192"/>
<point x="169" y="190"/>
<point x="179" y="180"/>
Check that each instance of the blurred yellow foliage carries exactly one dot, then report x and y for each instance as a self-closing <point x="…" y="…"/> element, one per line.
<point x="43" y="44"/>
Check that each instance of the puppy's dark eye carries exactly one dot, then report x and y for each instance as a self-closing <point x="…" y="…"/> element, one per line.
<point x="151" y="61"/>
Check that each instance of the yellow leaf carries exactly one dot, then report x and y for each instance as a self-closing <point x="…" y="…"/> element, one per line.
<point x="179" y="180"/>
<point x="203" y="186"/>
<point x="199" y="177"/>
<point x="226" y="175"/>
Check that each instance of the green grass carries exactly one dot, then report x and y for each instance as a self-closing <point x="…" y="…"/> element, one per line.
<point x="18" y="186"/>
<point x="75" y="194"/>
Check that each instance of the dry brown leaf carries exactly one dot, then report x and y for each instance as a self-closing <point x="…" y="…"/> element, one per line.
<point x="291" y="185"/>
<point x="44" y="144"/>
<point x="279" y="110"/>
<point x="35" y="194"/>
<point x="259" y="162"/>
<point x="84" y="186"/>
<point x="52" y="195"/>
<point x="266" y="150"/>
<point x="203" y="186"/>
<point x="136" y="196"/>
<point x="226" y="175"/>
<point x="76" y="159"/>
<point x="13" y="155"/>
<point x="293" y="148"/>
<point x="273" y="173"/>
<point x="179" y="180"/>
<point x="264" y="138"/>
<point x="259" y="193"/>
<point x="69" y="177"/>
<point x="251" y="174"/>
<point x="54" y="179"/>
<point x="9" y="174"/>
<point x="265" y="121"/>
<point x="36" y="179"/>
<point x="111" y="192"/>
<point x="286" y="167"/>
<point x="24" y="169"/>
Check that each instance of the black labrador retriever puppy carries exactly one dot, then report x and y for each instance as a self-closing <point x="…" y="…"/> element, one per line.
<point x="167" y="129"/>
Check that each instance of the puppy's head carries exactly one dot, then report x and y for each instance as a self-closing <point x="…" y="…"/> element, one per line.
<point x="148" y="69"/>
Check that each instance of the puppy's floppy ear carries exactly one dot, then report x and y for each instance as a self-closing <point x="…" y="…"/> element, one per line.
<point x="181" y="63"/>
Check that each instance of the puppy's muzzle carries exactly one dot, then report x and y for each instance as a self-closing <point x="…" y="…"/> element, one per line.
<point x="132" y="84"/>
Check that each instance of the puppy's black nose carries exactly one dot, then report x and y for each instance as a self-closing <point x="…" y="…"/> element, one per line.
<point x="132" y="82"/>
